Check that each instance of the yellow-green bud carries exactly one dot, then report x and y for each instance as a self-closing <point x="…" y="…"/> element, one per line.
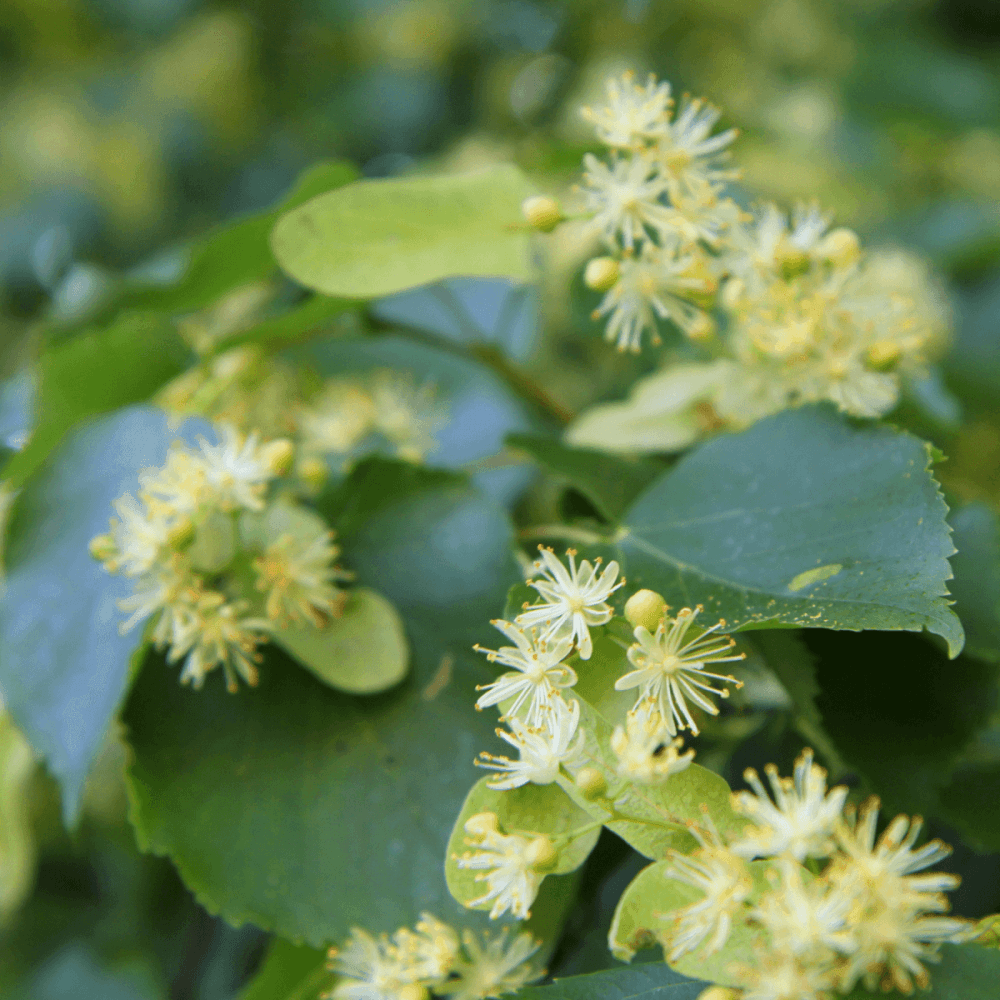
<point x="718" y="993"/>
<point x="413" y="991"/>
<point x="702" y="328"/>
<point x="181" y="535"/>
<point x="840" y="247"/>
<point x="541" y="854"/>
<point x="591" y="783"/>
<point x="103" y="548"/>
<point x="482" y="824"/>
<point x="313" y="472"/>
<point x="601" y="273"/>
<point x="883" y="354"/>
<point x="542" y="212"/>
<point x="732" y="292"/>
<point x="645" y="607"/>
<point x="278" y="455"/>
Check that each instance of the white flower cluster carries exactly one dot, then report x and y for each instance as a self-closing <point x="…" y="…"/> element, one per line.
<point x="866" y="916"/>
<point x="796" y="313"/>
<point x="348" y="412"/>
<point x="431" y="958"/>
<point x="180" y="539"/>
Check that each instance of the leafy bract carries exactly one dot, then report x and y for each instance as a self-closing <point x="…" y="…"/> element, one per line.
<point x="610" y="482"/>
<point x="977" y="577"/>
<point x="652" y="981"/>
<point x="93" y="373"/>
<point x="803" y="519"/>
<point x="530" y="809"/>
<point x="344" y="803"/>
<point x="63" y="664"/>
<point x="376" y="237"/>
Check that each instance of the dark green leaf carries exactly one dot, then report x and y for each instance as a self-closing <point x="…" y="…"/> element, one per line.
<point x="803" y="519"/>
<point x="976" y="586"/>
<point x="376" y="237"/>
<point x="611" y="482"/>
<point x="316" y="777"/>
<point x="63" y="665"/>
<point x="648" y="981"/>
<point x="93" y="373"/>
<point x="966" y="972"/>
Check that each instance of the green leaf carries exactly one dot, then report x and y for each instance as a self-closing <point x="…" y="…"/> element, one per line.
<point x="93" y="373"/>
<point x="76" y="973"/>
<point x="290" y="972"/>
<point x="976" y="586"/>
<point x="643" y="913"/>
<point x="376" y="237"/>
<point x="63" y="665"/>
<point x="363" y="651"/>
<point x="611" y="483"/>
<point x="966" y="972"/>
<point x="299" y="323"/>
<point x="803" y="519"/>
<point x="316" y="776"/>
<point x="652" y="981"/>
<point x="540" y="809"/>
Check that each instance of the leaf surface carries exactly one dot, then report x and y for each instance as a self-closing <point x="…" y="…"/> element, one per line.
<point x="649" y="981"/>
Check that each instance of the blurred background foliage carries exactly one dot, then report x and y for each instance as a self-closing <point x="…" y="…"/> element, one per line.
<point x="128" y="126"/>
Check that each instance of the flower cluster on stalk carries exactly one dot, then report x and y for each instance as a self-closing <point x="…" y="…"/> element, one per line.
<point x="218" y="562"/>
<point x="432" y="958"/>
<point x="787" y="310"/>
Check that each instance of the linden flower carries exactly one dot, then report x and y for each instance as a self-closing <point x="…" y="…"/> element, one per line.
<point x="429" y="951"/>
<point x="340" y="417"/>
<point x="372" y="967"/>
<point x="690" y="156"/>
<point x="178" y="487"/>
<point x="652" y="284"/>
<point x="644" y="754"/>
<point x="238" y="468"/>
<point x="493" y="968"/>
<point x="573" y="599"/>
<point x="212" y="633"/>
<point x="801" y="820"/>
<point x="780" y="976"/>
<point x="508" y="864"/>
<point x="671" y="671"/>
<point x="407" y="414"/>
<point x="138" y="539"/>
<point x="806" y="921"/>
<point x="158" y="591"/>
<point x="633" y="114"/>
<point x="724" y="879"/>
<point x="299" y="579"/>
<point x="542" y="750"/>
<point x="624" y="199"/>
<point x="539" y="672"/>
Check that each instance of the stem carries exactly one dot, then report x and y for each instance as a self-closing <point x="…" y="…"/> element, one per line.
<point x="567" y="532"/>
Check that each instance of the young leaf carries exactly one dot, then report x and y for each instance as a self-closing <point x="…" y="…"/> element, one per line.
<point x="316" y="776"/>
<point x="652" y="981"/>
<point x="802" y="519"/>
<point x="541" y="809"/>
<point x="362" y="651"/>
<point x="610" y="482"/>
<point x="376" y="237"/>
<point x="93" y="373"/>
<point x="63" y="664"/>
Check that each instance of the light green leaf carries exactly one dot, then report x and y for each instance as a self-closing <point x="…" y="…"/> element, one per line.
<point x="540" y="809"/>
<point x="290" y="972"/>
<point x="610" y="482"/>
<point x="17" y="836"/>
<point x="376" y="237"/>
<point x="736" y="524"/>
<point x="976" y="533"/>
<point x="95" y="372"/>
<point x="643" y="914"/>
<point x="652" y="981"/>
<point x="362" y="651"/>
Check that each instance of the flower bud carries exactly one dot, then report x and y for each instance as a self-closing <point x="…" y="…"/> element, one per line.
<point x="542" y="212"/>
<point x="883" y="354"/>
<point x="482" y="824"/>
<point x="601" y="273"/>
<point x="701" y="328"/>
<point x="591" y="783"/>
<point x="645" y="608"/>
<point x="732" y="292"/>
<point x="413" y="991"/>
<point x="103" y="548"/>
<point x="541" y="854"/>
<point x="181" y="535"/>
<point x="840" y="247"/>
<point x="313" y="472"/>
<point x="718" y="993"/>
<point x="278" y="455"/>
